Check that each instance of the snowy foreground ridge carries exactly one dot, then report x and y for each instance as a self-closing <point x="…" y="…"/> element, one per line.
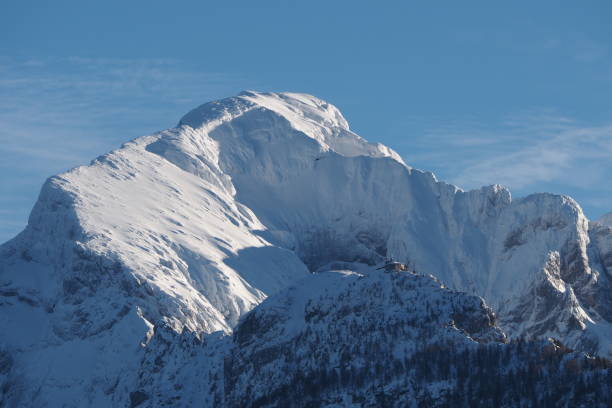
<point x="140" y="278"/>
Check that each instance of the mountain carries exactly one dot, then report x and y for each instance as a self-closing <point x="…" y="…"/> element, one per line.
<point x="191" y="228"/>
<point x="605" y="219"/>
<point x="342" y="338"/>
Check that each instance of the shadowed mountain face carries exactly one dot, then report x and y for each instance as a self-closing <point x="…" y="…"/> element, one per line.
<point x="196" y="225"/>
<point x="341" y="338"/>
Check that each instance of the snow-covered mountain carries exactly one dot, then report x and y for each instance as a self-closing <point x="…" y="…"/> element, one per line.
<point x="192" y="227"/>
<point x="341" y="338"/>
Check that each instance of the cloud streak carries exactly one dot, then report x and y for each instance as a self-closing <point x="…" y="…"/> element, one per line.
<point x="75" y="105"/>
<point x="539" y="151"/>
<point x="57" y="113"/>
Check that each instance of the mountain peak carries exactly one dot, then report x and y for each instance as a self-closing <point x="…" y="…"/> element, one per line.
<point x="300" y="104"/>
<point x="295" y="107"/>
<point x="307" y="114"/>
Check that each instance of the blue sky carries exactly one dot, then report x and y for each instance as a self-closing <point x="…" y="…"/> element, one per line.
<point x="517" y="93"/>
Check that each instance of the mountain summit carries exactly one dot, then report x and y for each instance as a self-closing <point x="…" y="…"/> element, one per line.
<point x="191" y="228"/>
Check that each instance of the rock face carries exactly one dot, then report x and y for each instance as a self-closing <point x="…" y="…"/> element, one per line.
<point x="346" y="325"/>
<point x="192" y="227"/>
<point x="341" y="338"/>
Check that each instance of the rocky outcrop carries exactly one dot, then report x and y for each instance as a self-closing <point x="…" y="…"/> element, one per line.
<point x="367" y="339"/>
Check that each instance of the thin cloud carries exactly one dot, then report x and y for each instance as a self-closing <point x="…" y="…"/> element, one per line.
<point x="65" y="108"/>
<point x="57" y="113"/>
<point x="573" y="45"/>
<point x="528" y="153"/>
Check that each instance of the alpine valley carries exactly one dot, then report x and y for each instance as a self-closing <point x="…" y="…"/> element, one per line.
<point x="232" y="261"/>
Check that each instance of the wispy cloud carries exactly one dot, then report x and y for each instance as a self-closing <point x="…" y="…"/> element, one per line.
<point x="65" y="108"/>
<point x="538" y="151"/>
<point x="57" y="113"/>
<point x="570" y="44"/>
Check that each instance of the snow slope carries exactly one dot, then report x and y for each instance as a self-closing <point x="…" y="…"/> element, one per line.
<point x="192" y="227"/>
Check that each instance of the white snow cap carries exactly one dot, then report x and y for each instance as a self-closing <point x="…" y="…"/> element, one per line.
<point x="316" y="118"/>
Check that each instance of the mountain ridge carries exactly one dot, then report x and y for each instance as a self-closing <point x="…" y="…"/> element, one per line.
<point x="194" y="226"/>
